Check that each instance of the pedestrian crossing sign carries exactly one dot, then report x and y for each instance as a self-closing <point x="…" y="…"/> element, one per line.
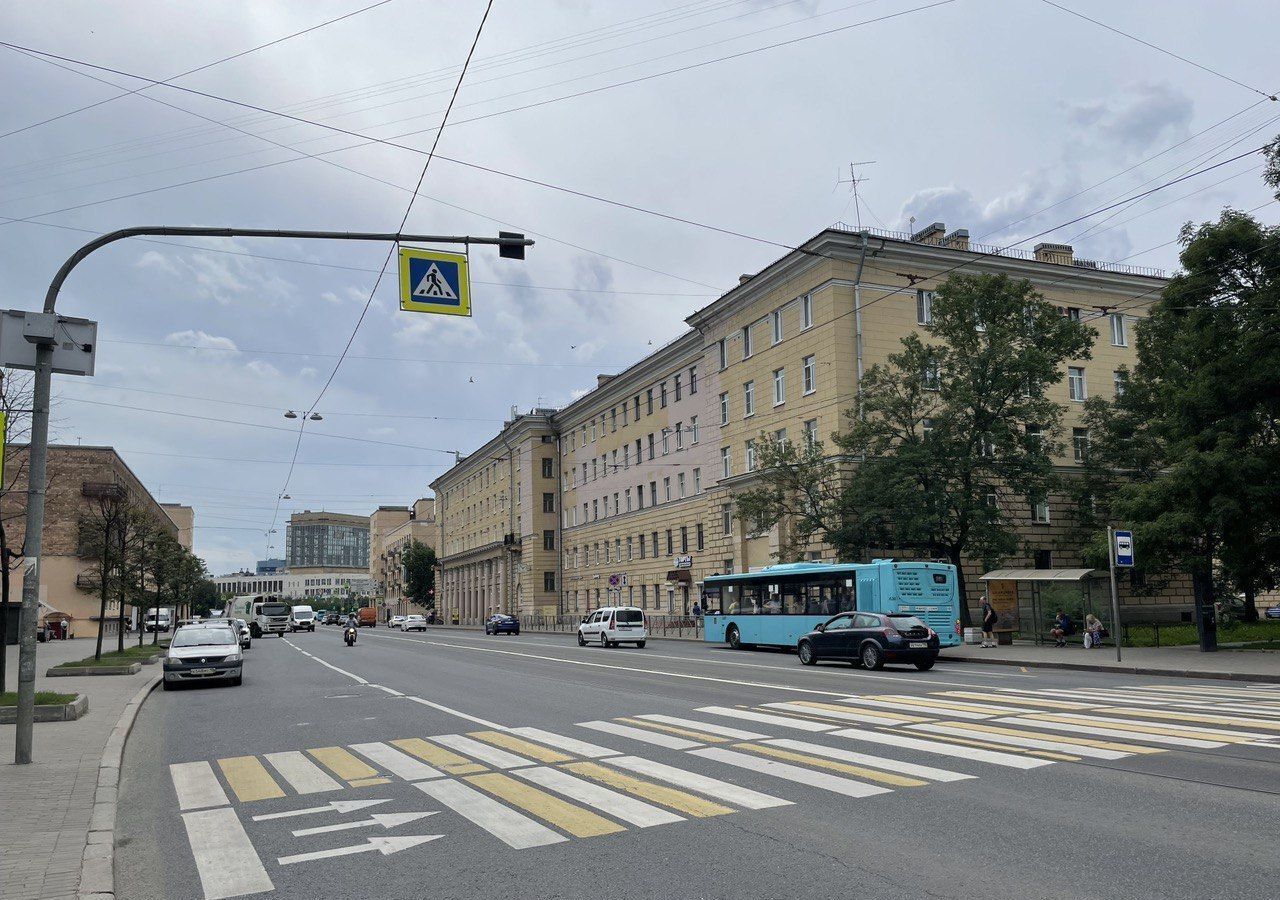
<point x="433" y="281"/>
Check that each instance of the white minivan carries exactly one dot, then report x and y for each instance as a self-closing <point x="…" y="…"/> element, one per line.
<point x="302" y="618"/>
<point x="614" y="625"/>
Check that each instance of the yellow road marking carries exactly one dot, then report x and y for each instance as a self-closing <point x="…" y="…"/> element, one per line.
<point x="438" y="756"/>
<point x="1139" y="728"/>
<point x="833" y="765"/>
<point x="342" y="763"/>
<point x="249" y="778"/>
<point x="368" y="782"/>
<point x="645" y="790"/>
<point x="818" y="706"/>
<point x="932" y="704"/>
<point x="672" y="729"/>
<point x="565" y="816"/>
<point x="1194" y="717"/>
<point x="985" y="745"/>
<point x="1055" y="736"/>
<point x="527" y="748"/>
<point x="1019" y="701"/>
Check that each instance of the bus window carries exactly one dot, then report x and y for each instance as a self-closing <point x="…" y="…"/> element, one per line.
<point x="793" y="599"/>
<point x="731" y="599"/>
<point x="750" y="600"/>
<point x="844" y="598"/>
<point x="813" y="600"/>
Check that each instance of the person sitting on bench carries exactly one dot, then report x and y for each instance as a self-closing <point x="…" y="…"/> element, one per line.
<point x="1063" y="628"/>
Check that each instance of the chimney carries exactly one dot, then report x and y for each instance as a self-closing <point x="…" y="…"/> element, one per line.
<point x="957" y="240"/>
<point x="930" y="234"/>
<point x="743" y="279"/>
<point x="602" y="380"/>
<point x="1060" y="254"/>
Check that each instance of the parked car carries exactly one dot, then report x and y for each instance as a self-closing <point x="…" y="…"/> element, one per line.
<point x="246" y="638"/>
<point x="1273" y="612"/>
<point x="500" y="624"/>
<point x="419" y="623"/>
<point x="614" y="625"/>
<point x="396" y="622"/>
<point x="871" y="639"/>
<point x="203" y="653"/>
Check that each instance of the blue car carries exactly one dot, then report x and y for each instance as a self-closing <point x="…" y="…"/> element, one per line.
<point x="502" y="625"/>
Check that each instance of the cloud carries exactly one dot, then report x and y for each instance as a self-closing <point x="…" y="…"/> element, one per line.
<point x="1136" y="118"/>
<point x="223" y="278"/>
<point x="201" y="339"/>
<point x="264" y="369"/>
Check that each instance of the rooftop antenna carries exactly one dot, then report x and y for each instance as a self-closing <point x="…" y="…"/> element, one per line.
<point x="853" y="181"/>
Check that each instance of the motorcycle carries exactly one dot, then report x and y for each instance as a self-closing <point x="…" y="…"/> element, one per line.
<point x="349" y="635"/>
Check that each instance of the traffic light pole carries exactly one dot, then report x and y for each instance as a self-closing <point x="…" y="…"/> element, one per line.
<point x="510" y="245"/>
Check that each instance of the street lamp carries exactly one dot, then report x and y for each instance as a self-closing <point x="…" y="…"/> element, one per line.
<point x="291" y="415"/>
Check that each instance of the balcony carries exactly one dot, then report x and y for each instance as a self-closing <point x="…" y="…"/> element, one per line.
<point x="511" y="539"/>
<point x="86" y="581"/>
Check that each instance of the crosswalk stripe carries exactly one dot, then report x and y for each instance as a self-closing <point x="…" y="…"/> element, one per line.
<point x="645" y="790"/>
<point x="620" y="806"/>
<point x="639" y="734"/>
<point x="343" y="764"/>
<point x="843" y="713"/>
<point x="988" y="728"/>
<point x="937" y="709"/>
<point x="368" y="782"/>
<point x="303" y="775"/>
<point x="575" y="820"/>
<point x="480" y="751"/>
<point x="1016" y="739"/>
<point x="1195" y="717"/>
<point x="834" y="783"/>
<point x="528" y="748"/>
<point x="952" y="706"/>
<point x="439" y="757"/>
<point x="879" y="762"/>
<point x="700" y="736"/>
<point x="1082" y="728"/>
<point x="702" y="784"/>
<point x="794" y="756"/>
<point x="562" y="742"/>
<point x="396" y="762"/>
<point x="977" y="754"/>
<point x="1205" y="734"/>
<point x="512" y="828"/>
<point x="974" y="741"/>
<point x="722" y="730"/>
<point x="1029" y="701"/>
<point x="767" y="718"/>
<point x="1215" y="690"/>
<point x="226" y="862"/>
<point x="1077" y="694"/>
<point x="196" y="785"/>
<point x="249" y="779"/>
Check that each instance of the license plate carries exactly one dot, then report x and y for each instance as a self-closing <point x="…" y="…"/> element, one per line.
<point x="202" y="671"/>
<point x="918" y="645"/>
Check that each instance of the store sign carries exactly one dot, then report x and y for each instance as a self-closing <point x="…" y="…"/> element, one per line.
<point x="684" y="562"/>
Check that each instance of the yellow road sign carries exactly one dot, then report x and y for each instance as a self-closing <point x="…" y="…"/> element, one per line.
<point x="433" y="281"/>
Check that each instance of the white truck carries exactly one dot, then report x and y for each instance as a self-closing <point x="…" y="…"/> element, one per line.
<point x="159" y="620"/>
<point x="302" y="618"/>
<point x="266" y="614"/>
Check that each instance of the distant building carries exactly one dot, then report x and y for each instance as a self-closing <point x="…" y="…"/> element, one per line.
<point x="270" y="566"/>
<point x="392" y="529"/>
<point x="311" y="586"/>
<point x="325" y="541"/>
<point x="185" y="518"/>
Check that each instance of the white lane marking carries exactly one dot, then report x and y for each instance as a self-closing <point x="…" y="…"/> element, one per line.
<point x="843" y="715"/>
<point x="977" y="754"/>
<point x="1171" y="726"/>
<point x="386" y="820"/>
<point x="354" y="677"/>
<point x="225" y="859"/>
<point x="384" y="845"/>
<point x="708" y="727"/>
<point x="303" y="775"/>
<point x="461" y="715"/>
<point x="620" y="806"/>
<point x="700" y="784"/>
<point x="835" y="783"/>
<point x="753" y="716"/>
<point x="196" y="785"/>
<point x="1131" y="736"/>
<point x="866" y="759"/>
<point x="392" y="691"/>
<point x="396" y="762"/>
<point x="911" y="709"/>
<point x="340" y="806"/>
<point x="481" y="751"/>
<point x="639" y="734"/>
<point x="560" y="742"/>
<point x="1029" y="742"/>
<point x="513" y="829"/>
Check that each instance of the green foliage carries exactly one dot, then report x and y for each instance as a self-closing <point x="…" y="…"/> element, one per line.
<point x="420" y="574"/>
<point x="43" y="698"/>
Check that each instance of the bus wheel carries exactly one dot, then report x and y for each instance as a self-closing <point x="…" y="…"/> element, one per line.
<point x="734" y="639"/>
<point x="872" y="658"/>
<point x="807" y="656"/>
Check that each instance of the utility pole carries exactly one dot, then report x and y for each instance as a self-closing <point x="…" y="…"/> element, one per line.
<point x="510" y="245"/>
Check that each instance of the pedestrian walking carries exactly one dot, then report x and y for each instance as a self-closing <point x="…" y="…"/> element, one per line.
<point x="697" y="610"/>
<point x="989" y="619"/>
<point x="66" y="629"/>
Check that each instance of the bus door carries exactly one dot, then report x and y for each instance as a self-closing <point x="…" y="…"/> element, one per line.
<point x="868" y="599"/>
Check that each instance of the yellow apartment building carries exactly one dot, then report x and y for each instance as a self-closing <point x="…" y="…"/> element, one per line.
<point x="391" y="530"/>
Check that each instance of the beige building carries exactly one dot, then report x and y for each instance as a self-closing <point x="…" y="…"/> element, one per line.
<point x="648" y="462"/>
<point x="185" y="518"/>
<point x="79" y="478"/>
<point x="391" y="530"/>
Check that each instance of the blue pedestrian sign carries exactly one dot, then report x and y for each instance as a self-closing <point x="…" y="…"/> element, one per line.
<point x="1124" y="549"/>
<point x="433" y="281"/>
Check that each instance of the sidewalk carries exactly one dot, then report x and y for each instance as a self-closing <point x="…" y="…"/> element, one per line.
<point x="1182" y="662"/>
<point x="48" y="804"/>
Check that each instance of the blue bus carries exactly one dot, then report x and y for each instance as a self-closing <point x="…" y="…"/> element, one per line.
<point x="779" y="604"/>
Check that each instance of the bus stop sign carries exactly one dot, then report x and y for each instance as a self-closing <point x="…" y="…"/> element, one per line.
<point x="1124" y="549"/>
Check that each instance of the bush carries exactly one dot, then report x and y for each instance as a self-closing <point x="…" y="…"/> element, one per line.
<point x="43" y="698"/>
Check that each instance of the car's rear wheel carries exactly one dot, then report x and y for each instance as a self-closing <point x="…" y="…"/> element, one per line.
<point x="872" y="657"/>
<point x="924" y="665"/>
<point x="806" y="654"/>
<point x="604" y="640"/>
<point x="582" y="642"/>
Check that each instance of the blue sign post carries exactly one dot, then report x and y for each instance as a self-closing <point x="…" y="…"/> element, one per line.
<point x="1124" y="549"/>
<point x="1119" y="553"/>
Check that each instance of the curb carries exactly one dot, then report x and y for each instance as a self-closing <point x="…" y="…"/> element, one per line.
<point x="79" y="671"/>
<point x="97" y="865"/>
<point x="1121" y="669"/>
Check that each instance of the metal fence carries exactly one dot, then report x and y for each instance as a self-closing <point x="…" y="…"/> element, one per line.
<point x="659" y="624"/>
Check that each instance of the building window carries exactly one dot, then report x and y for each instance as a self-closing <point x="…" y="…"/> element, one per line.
<point x="810" y="374"/>
<point x="924" y="307"/>
<point x="726" y="518"/>
<point x="637" y="408"/>
<point x="1119" y="381"/>
<point x="749" y="399"/>
<point x="593" y="431"/>
<point x="1040" y="510"/>
<point x="648" y="397"/>
<point x="626" y="456"/>
<point x="613" y="420"/>
<point x="595" y="510"/>
<point x="701" y="544"/>
<point x="644" y="590"/>
<point x="606" y="552"/>
<point x="697" y="481"/>
<point x="806" y="311"/>
<point x="630" y="553"/>
<point x="724" y="354"/>
<point x="624" y="412"/>
<point x="1035" y="438"/>
<point x="617" y="549"/>
<point x="549" y="503"/>
<point x="780" y="436"/>
<point x="724" y="409"/>
<point x="671" y="544"/>
<point x="616" y="509"/>
<point x="653" y="493"/>
<point x="651" y="444"/>
<point x="811" y="432"/>
<point x="655" y="546"/>
<point x="779" y="387"/>
<point x="549" y="539"/>
<point x="666" y="441"/>
<point x="1075" y="383"/>
<point x="677" y="384"/>
<point x="693" y="429"/>
<point x="639" y="496"/>
<point x="726" y="463"/>
<point x="662" y="389"/>
<point x="1044" y="559"/>
<point x="642" y="545"/>
<point x="926" y="430"/>
<point x="549" y="582"/>
<point x="679" y="435"/>
<point x="751" y="456"/>
<point x="684" y="538"/>
<point x="614" y="468"/>
<point x="680" y="485"/>
<point x="1080" y="443"/>
<point x="666" y="489"/>
<point x="777" y="326"/>
<point x="1071" y="312"/>
<point x="746" y="342"/>
<point x="1118" y="336"/>
<point x="693" y="379"/>
<point x="932" y="376"/>
<point x="628" y="493"/>
<point x="638" y="451"/>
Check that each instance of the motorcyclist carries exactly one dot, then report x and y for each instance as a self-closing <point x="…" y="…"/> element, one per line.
<point x="350" y="623"/>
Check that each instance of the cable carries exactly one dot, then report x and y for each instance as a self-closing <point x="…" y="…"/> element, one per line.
<point x="1158" y="49"/>
<point x="285" y="462"/>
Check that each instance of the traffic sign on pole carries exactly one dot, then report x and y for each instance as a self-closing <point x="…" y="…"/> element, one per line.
<point x="433" y="281"/>
<point x="1124" y="549"/>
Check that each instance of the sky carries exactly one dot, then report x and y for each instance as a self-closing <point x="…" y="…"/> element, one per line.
<point x="1006" y="117"/>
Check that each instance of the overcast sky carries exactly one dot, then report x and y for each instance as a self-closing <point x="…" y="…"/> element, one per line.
<point x="978" y="113"/>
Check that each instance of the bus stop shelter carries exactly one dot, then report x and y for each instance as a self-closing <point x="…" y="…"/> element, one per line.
<point x="1029" y="618"/>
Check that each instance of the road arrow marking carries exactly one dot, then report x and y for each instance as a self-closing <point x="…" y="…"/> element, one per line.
<point x="384" y="845"/>
<point x="386" y="820"/>
<point x="342" y="806"/>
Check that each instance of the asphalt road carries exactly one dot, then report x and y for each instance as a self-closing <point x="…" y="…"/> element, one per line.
<point x="965" y="781"/>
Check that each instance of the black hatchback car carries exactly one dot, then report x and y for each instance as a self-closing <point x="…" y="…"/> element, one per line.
<point x="871" y="639"/>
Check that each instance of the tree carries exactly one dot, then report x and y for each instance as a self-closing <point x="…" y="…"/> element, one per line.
<point x="100" y="542"/>
<point x="15" y="402"/>
<point x="420" y="574"/>
<point x="947" y="438"/>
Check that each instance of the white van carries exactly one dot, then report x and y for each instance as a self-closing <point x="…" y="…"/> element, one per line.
<point x="614" y="625"/>
<point x="302" y="618"/>
<point x="159" y="620"/>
